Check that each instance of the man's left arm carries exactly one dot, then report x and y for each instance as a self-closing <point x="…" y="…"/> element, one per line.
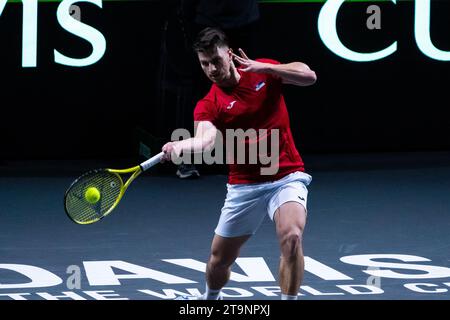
<point x="296" y="73"/>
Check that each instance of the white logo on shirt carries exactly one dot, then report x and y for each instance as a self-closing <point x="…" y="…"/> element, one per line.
<point x="260" y="85"/>
<point x="231" y="105"/>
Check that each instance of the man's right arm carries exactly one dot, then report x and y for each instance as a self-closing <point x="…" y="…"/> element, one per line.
<point x="204" y="140"/>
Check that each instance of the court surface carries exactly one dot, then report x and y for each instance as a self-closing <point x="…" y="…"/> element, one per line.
<point x="385" y="213"/>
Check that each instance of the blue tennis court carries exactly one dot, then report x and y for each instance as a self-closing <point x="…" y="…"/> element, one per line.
<point x="377" y="229"/>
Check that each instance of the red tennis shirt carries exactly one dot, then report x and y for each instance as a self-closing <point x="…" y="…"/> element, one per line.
<point x="255" y="105"/>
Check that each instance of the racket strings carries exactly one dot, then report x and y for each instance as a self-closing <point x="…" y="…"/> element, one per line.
<point x="79" y="209"/>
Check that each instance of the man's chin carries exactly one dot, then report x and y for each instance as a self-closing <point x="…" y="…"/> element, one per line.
<point x="219" y="80"/>
<point x="216" y="80"/>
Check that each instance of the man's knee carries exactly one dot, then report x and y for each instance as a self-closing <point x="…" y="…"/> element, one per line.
<point x="218" y="259"/>
<point x="224" y="251"/>
<point x="291" y="243"/>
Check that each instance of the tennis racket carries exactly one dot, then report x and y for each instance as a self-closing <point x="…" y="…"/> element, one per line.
<point x="96" y="193"/>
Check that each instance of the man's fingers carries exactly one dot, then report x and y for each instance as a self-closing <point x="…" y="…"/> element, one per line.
<point x="239" y="59"/>
<point x="166" y="156"/>
<point x="243" y="54"/>
<point x="167" y="149"/>
<point x="243" y="63"/>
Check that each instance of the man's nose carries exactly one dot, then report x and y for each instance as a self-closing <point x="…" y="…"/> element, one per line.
<point x="212" y="68"/>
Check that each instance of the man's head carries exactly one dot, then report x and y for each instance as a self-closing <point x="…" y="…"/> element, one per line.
<point x="214" y="55"/>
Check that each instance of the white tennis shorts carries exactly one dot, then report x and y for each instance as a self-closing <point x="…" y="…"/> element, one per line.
<point x="246" y="205"/>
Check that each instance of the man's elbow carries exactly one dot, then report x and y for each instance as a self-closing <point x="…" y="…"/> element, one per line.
<point x="309" y="77"/>
<point x="312" y="77"/>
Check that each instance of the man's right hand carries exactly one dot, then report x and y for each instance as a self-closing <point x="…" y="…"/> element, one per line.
<point x="170" y="151"/>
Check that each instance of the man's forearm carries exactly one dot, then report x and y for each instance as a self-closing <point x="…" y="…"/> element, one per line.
<point x="193" y="145"/>
<point x="296" y="73"/>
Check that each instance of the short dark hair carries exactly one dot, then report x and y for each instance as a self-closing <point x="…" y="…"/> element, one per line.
<point x="209" y="39"/>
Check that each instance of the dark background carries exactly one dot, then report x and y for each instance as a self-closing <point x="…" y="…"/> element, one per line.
<point x="102" y="111"/>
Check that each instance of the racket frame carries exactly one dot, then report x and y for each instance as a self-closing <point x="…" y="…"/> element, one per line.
<point x="136" y="171"/>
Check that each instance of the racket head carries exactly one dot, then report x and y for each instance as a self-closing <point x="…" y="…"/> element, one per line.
<point x="111" y="188"/>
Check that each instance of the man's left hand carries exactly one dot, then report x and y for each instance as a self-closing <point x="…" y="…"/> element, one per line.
<point x="248" y="65"/>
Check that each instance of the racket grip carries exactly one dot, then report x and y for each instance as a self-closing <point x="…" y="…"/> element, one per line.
<point x="151" y="162"/>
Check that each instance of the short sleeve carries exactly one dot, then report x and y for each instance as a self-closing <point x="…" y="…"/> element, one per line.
<point x="271" y="61"/>
<point x="205" y="110"/>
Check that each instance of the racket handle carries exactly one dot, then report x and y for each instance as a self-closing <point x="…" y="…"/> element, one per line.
<point x="151" y="162"/>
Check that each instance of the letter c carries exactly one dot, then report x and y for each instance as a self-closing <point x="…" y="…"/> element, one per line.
<point x="328" y="34"/>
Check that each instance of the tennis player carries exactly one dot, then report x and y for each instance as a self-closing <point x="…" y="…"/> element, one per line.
<point x="250" y="97"/>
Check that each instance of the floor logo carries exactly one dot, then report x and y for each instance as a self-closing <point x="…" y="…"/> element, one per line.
<point x="103" y="280"/>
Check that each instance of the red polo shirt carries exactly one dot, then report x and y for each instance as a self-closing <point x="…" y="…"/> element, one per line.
<point x="255" y="103"/>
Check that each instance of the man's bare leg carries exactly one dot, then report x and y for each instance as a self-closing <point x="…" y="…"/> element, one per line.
<point x="224" y="252"/>
<point x="290" y="220"/>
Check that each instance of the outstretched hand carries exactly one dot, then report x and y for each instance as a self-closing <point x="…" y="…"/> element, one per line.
<point x="249" y="65"/>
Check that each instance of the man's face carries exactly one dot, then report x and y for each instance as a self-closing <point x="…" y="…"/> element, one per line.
<point x="216" y="64"/>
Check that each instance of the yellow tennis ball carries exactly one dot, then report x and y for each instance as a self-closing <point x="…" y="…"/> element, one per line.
<point x="92" y="195"/>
